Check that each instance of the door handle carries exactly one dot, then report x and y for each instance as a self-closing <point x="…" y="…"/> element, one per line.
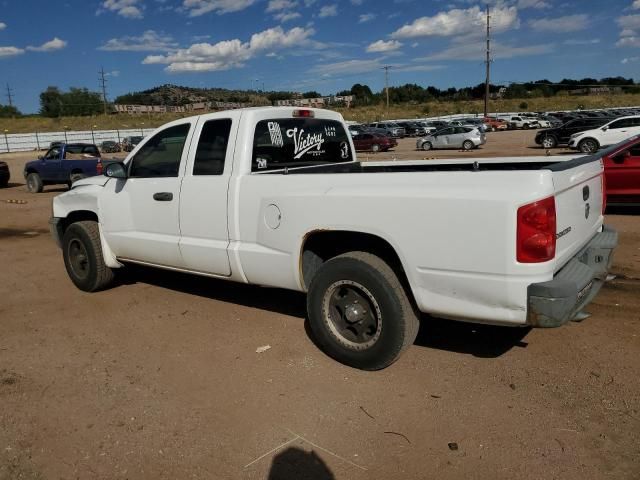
<point x="163" y="196"/>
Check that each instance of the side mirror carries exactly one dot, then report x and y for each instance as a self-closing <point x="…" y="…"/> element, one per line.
<point x="605" y="128"/>
<point x="115" y="170"/>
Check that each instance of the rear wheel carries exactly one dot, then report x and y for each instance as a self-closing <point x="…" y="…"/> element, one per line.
<point x="549" y="142"/>
<point x="588" y="145"/>
<point x="467" y="145"/>
<point x="426" y="146"/>
<point x="359" y="312"/>
<point x="375" y="148"/>
<point x="34" y="183"/>
<point x="83" y="259"/>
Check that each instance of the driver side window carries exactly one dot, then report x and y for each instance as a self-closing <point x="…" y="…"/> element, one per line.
<point x="161" y="155"/>
<point x="53" y="154"/>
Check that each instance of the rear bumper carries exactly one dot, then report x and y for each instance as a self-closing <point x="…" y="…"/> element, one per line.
<point x="554" y="303"/>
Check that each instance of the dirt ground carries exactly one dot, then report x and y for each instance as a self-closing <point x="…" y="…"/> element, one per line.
<point x="158" y="378"/>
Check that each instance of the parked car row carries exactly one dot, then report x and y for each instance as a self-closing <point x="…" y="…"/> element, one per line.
<point x="588" y="134"/>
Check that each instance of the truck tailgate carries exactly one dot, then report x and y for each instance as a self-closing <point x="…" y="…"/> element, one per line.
<point x="579" y="195"/>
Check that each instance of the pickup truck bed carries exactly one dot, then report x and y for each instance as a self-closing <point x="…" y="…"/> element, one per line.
<point x="503" y="241"/>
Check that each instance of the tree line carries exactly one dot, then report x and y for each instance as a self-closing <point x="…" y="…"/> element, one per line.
<point x="81" y="101"/>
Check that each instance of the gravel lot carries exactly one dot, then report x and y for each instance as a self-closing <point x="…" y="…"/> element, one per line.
<point x="159" y="377"/>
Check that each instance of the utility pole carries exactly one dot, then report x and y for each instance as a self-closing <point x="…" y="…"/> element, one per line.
<point x="103" y="83"/>
<point x="386" y="82"/>
<point x="9" y="95"/>
<point x="488" y="63"/>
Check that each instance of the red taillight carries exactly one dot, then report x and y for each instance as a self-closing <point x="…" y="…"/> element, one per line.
<point x="603" y="183"/>
<point x="99" y="167"/>
<point x="303" y="113"/>
<point x="536" y="231"/>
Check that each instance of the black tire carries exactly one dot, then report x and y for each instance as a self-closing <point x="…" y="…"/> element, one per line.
<point x="74" y="177"/>
<point x="4" y="183"/>
<point x="549" y="141"/>
<point x="525" y="126"/>
<point x="387" y="309"/>
<point x="83" y="259"/>
<point x="467" y="145"/>
<point x="426" y="146"/>
<point x="375" y="148"/>
<point x="34" y="183"/>
<point x="588" y="145"/>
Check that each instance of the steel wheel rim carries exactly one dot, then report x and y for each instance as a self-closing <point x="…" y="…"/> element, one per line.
<point x="78" y="258"/>
<point x="352" y="314"/>
<point x="547" y="142"/>
<point x="31" y="183"/>
<point x="588" y="146"/>
<point x="468" y="145"/>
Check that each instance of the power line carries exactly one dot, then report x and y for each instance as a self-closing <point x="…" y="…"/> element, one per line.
<point x="386" y="82"/>
<point x="103" y="82"/>
<point x="9" y="95"/>
<point x="488" y="65"/>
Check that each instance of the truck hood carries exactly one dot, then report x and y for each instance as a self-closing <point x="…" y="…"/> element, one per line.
<point x="98" y="180"/>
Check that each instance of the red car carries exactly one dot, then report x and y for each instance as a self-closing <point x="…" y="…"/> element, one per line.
<point x="495" y="124"/>
<point x="374" y="142"/>
<point x="622" y="172"/>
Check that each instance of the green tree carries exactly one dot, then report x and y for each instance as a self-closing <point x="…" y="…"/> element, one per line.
<point x="7" y="111"/>
<point x="51" y="102"/>
<point x="311" y="94"/>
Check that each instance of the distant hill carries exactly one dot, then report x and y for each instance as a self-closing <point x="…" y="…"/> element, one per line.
<point x="177" y="95"/>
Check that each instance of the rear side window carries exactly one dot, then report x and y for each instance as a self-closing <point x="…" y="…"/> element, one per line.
<point x="160" y="156"/>
<point x="299" y="142"/>
<point x="212" y="147"/>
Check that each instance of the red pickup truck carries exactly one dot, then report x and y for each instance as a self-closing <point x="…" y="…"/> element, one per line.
<point x="622" y="172"/>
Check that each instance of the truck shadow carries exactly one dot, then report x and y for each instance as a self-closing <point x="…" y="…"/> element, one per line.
<point x="623" y="210"/>
<point x="482" y="341"/>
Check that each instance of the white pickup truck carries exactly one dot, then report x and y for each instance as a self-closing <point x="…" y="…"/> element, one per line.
<point x="276" y="197"/>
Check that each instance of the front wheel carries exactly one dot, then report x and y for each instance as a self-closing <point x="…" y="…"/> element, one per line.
<point x="588" y="145"/>
<point x="426" y="146"/>
<point x="83" y="259"/>
<point x="467" y="145"/>
<point x="359" y="312"/>
<point x="525" y="126"/>
<point x="34" y="183"/>
<point x="549" y="142"/>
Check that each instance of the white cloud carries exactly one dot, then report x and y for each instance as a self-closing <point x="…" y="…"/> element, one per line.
<point x="124" y="8"/>
<point x="360" y="2"/>
<point x="149" y="41"/>
<point x="382" y="46"/>
<point x="624" y="61"/>
<point x="50" y="46"/>
<point x="277" y="5"/>
<point x="200" y="7"/>
<point x="568" y="23"/>
<point x="229" y="54"/>
<point x="3" y="25"/>
<point x="352" y="67"/>
<point x="366" y="17"/>
<point x="631" y="22"/>
<point x="113" y="73"/>
<point x="476" y="52"/>
<point x="328" y="11"/>
<point x="286" y="16"/>
<point x="10" y="51"/>
<point x="636" y="5"/>
<point x="629" y="36"/>
<point x="539" y="4"/>
<point x="460" y="22"/>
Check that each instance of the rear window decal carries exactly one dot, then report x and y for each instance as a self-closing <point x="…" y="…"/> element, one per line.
<point x="276" y="134"/>
<point x="303" y="144"/>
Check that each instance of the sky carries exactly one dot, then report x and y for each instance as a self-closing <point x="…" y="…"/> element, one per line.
<point x="302" y="45"/>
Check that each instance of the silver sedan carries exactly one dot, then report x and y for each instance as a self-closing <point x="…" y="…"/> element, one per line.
<point x="465" y="138"/>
